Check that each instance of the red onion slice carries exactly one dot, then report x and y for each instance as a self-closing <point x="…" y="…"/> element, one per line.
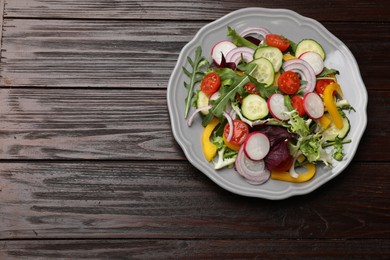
<point x="189" y="121"/>
<point x="253" y="172"/>
<point x="304" y="70"/>
<point x="292" y="171"/>
<point x="255" y="30"/>
<point x="231" y="126"/>
<point x="237" y="54"/>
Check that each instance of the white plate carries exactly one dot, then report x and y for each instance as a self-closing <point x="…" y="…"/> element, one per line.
<point x="295" y="27"/>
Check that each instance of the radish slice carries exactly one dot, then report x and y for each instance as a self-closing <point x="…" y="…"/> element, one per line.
<point x="238" y="54"/>
<point x="256" y="146"/>
<point x="314" y="59"/>
<point x="221" y="48"/>
<point x="253" y="172"/>
<point x="277" y="108"/>
<point x="304" y="70"/>
<point x="313" y="105"/>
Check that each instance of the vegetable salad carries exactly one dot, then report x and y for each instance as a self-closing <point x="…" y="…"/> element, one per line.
<point x="269" y="106"/>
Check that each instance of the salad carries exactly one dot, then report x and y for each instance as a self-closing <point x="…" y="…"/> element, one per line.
<point x="269" y="106"/>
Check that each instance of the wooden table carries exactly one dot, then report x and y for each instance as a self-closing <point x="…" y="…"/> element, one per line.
<point x="89" y="167"/>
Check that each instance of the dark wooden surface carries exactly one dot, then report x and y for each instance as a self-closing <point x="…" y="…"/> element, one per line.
<point x="88" y="164"/>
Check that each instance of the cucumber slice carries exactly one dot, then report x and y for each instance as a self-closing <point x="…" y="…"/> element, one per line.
<point x="309" y="45"/>
<point x="332" y="131"/>
<point x="273" y="54"/>
<point x="264" y="72"/>
<point x="203" y="100"/>
<point x="254" y="107"/>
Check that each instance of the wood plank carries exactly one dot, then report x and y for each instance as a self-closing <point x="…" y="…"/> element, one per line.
<point x="173" y="200"/>
<point x="1" y="22"/>
<point x="195" y="249"/>
<point x="191" y="10"/>
<point x="122" y="124"/>
<point x="137" y="54"/>
<point x="85" y="124"/>
<point x="91" y="54"/>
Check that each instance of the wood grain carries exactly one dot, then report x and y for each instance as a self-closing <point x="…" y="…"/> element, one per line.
<point x="136" y="54"/>
<point x="195" y="249"/>
<point x="88" y="164"/>
<point x="122" y="124"/>
<point x="85" y="124"/>
<point x="192" y="10"/>
<point x="173" y="200"/>
<point x="1" y="22"/>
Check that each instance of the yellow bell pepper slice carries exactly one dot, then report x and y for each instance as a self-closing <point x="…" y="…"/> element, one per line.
<point x="302" y="177"/>
<point x="276" y="78"/>
<point x="324" y="121"/>
<point x="288" y="56"/>
<point x="209" y="149"/>
<point x="331" y="105"/>
<point x="301" y="158"/>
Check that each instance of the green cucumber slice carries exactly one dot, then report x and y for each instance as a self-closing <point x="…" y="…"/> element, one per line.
<point x="264" y="72"/>
<point x="273" y="54"/>
<point x="309" y="45"/>
<point x="332" y="131"/>
<point x="254" y="107"/>
<point x="203" y="100"/>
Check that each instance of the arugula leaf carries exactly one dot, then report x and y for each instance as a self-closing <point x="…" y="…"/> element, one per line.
<point x="327" y="72"/>
<point x="228" y="92"/>
<point x="239" y="40"/>
<point x="293" y="46"/>
<point x="265" y="91"/>
<point x="195" y="76"/>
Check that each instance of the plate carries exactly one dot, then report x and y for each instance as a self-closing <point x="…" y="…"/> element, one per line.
<point x="295" y="27"/>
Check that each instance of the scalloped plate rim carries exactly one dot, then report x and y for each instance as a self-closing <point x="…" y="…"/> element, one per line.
<point x="204" y="166"/>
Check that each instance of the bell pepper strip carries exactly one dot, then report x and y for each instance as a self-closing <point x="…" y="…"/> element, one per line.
<point x="324" y="121"/>
<point x="276" y="78"/>
<point x="209" y="149"/>
<point x="288" y="56"/>
<point x="301" y="158"/>
<point x="331" y="105"/>
<point x="302" y="177"/>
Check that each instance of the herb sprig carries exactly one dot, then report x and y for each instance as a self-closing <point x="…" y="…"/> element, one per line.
<point x="195" y="76"/>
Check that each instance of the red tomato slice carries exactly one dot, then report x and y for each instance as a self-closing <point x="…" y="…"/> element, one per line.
<point x="297" y="103"/>
<point x="251" y="88"/>
<point x="230" y="145"/>
<point x="277" y="41"/>
<point x="289" y="82"/>
<point x="210" y="83"/>
<point x="321" y="85"/>
<point x="240" y="132"/>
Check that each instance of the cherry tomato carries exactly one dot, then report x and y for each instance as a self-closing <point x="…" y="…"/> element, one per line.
<point x="297" y="103"/>
<point x="251" y="88"/>
<point x="289" y="82"/>
<point x="321" y="85"/>
<point x="230" y="145"/>
<point x="210" y="83"/>
<point x="240" y="132"/>
<point x="285" y="165"/>
<point x="277" y="41"/>
<point x="239" y="98"/>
